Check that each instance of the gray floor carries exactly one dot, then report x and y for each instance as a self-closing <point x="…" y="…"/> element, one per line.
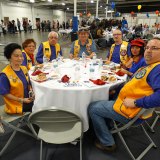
<point x="26" y="148"/>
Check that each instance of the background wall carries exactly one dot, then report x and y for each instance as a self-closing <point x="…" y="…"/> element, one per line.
<point x="22" y="10"/>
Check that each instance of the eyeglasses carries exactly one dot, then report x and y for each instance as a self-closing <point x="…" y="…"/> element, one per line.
<point x="117" y="34"/>
<point x="53" y="37"/>
<point x="152" y="48"/>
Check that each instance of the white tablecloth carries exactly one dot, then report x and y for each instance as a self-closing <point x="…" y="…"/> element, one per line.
<point x="74" y="98"/>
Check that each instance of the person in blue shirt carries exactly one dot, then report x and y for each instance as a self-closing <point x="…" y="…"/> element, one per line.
<point x="124" y="22"/>
<point x="29" y="46"/>
<point x="120" y="51"/>
<point x="51" y="48"/>
<point x="142" y="91"/>
<point x="83" y="44"/>
<point x="137" y="57"/>
<point x="15" y="85"/>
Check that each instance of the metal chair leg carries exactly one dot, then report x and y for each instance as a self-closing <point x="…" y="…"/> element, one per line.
<point x="41" y="149"/>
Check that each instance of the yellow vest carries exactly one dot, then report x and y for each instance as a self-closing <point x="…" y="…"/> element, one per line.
<point x="47" y="49"/>
<point x="124" y="58"/>
<point x="77" y="47"/>
<point x="135" y="89"/>
<point x="29" y="61"/>
<point x="17" y="89"/>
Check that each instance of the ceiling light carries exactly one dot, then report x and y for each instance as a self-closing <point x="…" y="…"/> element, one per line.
<point x="49" y="0"/>
<point x="32" y="1"/>
<point x="63" y="4"/>
<point x="67" y="8"/>
<point x="110" y="11"/>
<point x="92" y="1"/>
<point x="101" y="6"/>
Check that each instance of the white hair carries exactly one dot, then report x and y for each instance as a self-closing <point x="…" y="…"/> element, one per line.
<point x="53" y="32"/>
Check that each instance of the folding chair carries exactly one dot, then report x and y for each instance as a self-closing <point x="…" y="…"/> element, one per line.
<point x="5" y="120"/>
<point x="56" y="126"/>
<point x="121" y="127"/>
<point x="151" y="126"/>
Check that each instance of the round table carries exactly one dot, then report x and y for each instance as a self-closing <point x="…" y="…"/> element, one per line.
<point x="74" y="96"/>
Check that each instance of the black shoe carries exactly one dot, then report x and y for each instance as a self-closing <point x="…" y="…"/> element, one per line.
<point x="105" y="148"/>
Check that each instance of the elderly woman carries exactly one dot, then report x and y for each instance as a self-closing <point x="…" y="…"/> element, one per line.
<point x="29" y="46"/>
<point x="137" y="57"/>
<point x="14" y="82"/>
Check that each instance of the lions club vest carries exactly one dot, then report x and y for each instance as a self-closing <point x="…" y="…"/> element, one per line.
<point x="135" y="89"/>
<point x="17" y="89"/>
<point x="29" y="61"/>
<point x="124" y="58"/>
<point x="77" y="47"/>
<point x="47" y="49"/>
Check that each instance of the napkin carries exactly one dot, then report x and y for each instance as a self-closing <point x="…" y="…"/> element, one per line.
<point x="37" y="72"/>
<point x="120" y="73"/>
<point x="98" y="81"/>
<point x="65" y="79"/>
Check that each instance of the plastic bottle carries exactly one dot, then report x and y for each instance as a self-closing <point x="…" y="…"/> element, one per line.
<point x="94" y="59"/>
<point x="100" y="63"/>
<point x="55" y="64"/>
<point x="45" y="59"/>
<point x="83" y="56"/>
<point x="92" y="70"/>
<point x="77" y="72"/>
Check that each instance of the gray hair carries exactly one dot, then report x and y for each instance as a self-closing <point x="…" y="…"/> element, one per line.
<point x="156" y="38"/>
<point x="53" y="32"/>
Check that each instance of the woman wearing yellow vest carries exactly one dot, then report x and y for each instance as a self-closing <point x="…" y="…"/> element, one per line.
<point x="137" y="57"/>
<point x="142" y="91"/>
<point x="14" y="82"/>
<point x="29" y="46"/>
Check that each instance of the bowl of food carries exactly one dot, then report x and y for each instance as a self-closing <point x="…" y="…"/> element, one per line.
<point x="112" y="79"/>
<point x="104" y="77"/>
<point x="41" y="77"/>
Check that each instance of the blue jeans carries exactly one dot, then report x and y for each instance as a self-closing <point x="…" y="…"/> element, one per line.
<point x="101" y="113"/>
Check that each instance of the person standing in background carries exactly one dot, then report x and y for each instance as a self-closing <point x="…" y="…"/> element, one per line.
<point x="19" y="25"/>
<point x="124" y="22"/>
<point x="25" y="24"/>
<point x="58" y="25"/>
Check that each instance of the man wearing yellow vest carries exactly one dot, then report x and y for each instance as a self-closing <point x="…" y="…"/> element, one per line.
<point x="51" y="49"/>
<point x="142" y="91"/>
<point x="83" y="44"/>
<point x="120" y="51"/>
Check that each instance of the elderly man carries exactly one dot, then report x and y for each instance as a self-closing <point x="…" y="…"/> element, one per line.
<point x="120" y="51"/>
<point x="51" y="49"/>
<point x="83" y="44"/>
<point x="142" y="91"/>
